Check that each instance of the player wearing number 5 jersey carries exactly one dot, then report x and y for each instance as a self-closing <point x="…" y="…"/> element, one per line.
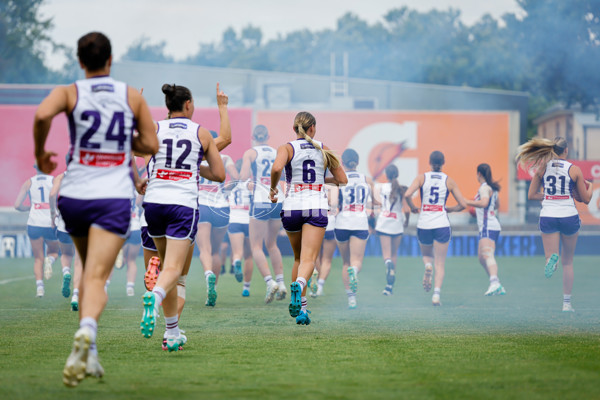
<point x="352" y="223"/>
<point x="95" y="192"/>
<point x="265" y="221"/>
<point x="171" y="204"/>
<point x="39" y="226"/>
<point x="304" y="214"/>
<point x="553" y="184"/>
<point x="433" y="226"/>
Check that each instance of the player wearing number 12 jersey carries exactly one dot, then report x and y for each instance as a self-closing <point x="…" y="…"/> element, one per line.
<point x="553" y="184"/>
<point x="95" y="192"/>
<point x="304" y="214"/>
<point x="433" y="226"/>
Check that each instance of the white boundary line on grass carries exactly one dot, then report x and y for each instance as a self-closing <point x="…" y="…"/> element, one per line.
<point x="22" y="278"/>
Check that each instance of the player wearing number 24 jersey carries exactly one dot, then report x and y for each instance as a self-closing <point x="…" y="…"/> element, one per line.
<point x="94" y="194"/>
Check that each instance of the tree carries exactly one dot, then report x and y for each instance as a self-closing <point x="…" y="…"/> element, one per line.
<point x="143" y="50"/>
<point x="23" y="36"/>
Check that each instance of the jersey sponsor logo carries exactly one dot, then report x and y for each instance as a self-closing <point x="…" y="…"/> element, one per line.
<point x="354" y="208"/>
<point x="388" y="214"/>
<point x="436" y="177"/>
<point x="556" y="164"/>
<point x="170" y="175"/>
<point x="177" y="125"/>
<point x="103" y="87"/>
<point x="265" y="180"/>
<point x="307" y="146"/>
<point x="299" y="187"/>
<point x="209" y="188"/>
<point x="558" y="197"/>
<point x="41" y="206"/>
<point x="97" y="159"/>
<point x="432" y="207"/>
<point x="245" y="208"/>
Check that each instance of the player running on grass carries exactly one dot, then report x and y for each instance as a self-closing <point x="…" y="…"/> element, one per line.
<point x="95" y="193"/>
<point x="556" y="183"/>
<point x="433" y="226"/>
<point x="171" y="204"/>
<point x="265" y="221"/>
<point x="304" y="214"/>
<point x="352" y="223"/>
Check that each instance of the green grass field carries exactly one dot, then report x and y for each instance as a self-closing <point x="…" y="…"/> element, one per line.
<point x="516" y="346"/>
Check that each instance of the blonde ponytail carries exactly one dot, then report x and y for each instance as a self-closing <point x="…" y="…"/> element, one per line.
<point x="306" y="119"/>
<point x="538" y="151"/>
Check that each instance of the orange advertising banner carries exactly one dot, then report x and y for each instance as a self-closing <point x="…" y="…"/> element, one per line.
<point x="406" y="139"/>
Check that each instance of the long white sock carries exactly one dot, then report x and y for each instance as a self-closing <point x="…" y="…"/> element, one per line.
<point x="172" y="325"/>
<point x="93" y="325"/>
<point x="304" y="301"/>
<point x="302" y="282"/>
<point x="159" y="295"/>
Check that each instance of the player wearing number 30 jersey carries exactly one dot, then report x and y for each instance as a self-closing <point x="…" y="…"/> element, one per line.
<point x="433" y="226"/>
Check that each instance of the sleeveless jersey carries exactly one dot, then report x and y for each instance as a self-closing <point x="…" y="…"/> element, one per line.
<point x="101" y="127"/>
<point x="239" y="204"/>
<point x="136" y="211"/>
<point x="391" y="218"/>
<point x="353" y="203"/>
<point x="558" y="201"/>
<point x="211" y="193"/>
<point x="174" y="175"/>
<point x="39" y="196"/>
<point x="305" y="177"/>
<point x="434" y="194"/>
<point x="486" y="217"/>
<point x="261" y="171"/>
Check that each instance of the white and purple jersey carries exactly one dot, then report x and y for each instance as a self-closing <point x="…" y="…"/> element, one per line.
<point x="39" y="196"/>
<point x="101" y="129"/>
<point x="136" y="217"/>
<point x="174" y="176"/>
<point x="353" y="203"/>
<point x="434" y="194"/>
<point x="239" y="204"/>
<point x="261" y="171"/>
<point x="486" y="217"/>
<point x="558" y="200"/>
<point x="390" y="219"/>
<point x="211" y="193"/>
<point x="305" y="177"/>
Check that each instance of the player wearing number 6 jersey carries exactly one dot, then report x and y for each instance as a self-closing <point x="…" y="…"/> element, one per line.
<point x="304" y="214"/>
<point x="351" y="223"/>
<point x="559" y="220"/>
<point x="265" y="221"/>
<point x="171" y="204"/>
<point x="433" y="226"/>
<point x="95" y="192"/>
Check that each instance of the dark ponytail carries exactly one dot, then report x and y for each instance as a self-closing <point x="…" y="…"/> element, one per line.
<point x="486" y="171"/>
<point x="391" y="173"/>
<point x="175" y="97"/>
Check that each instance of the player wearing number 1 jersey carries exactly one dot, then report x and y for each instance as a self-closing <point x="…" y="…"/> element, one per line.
<point x="554" y="183"/>
<point x="433" y="226"/>
<point x="95" y="192"/>
<point x="304" y="214"/>
<point x="265" y="221"/>
<point x="352" y="223"/>
<point x="39" y="226"/>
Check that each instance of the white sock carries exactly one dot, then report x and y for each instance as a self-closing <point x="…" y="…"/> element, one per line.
<point x="172" y="325"/>
<point x="39" y="283"/>
<point x="268" y="279"/>
<point x="279" y="279"/>
<point x="302" y="282"/>
<point x="52" y="259"/>
<point x="66" y="270"/>
<point x="566" y="298"/>
<point x="494" y="278"/>
<point x="208" y="273"/>
<point x="304" y="302"/>
<point x="130" y="284"/>
<point x="93" y="325"/>
<point x="437" y="290"/>
<point x="247" y="286"/>
<point x="76" y="292"/>
<point x="159" y="295"/>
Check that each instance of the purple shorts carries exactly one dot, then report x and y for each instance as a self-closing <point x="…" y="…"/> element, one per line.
<point x="134" y="238"/>
<point x="238" y="228"/>
<point x="217" y="217"/>
<point x="440" y="235"/>
<point x="489" y="234"/>
<point x="329" y="235"/>
<point x="566" y="225"/>
<point x="343" y="235"/>
<point x="265" y="211"/>
<point x="392" y="235"/>
<point x="293" y="220"/>
<point x="147" y="241"/>
<point x="112" y="215"/>
<point x="36" y="232"/>
<point x="63" y="237"/>
<point x="171" y="221"/>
